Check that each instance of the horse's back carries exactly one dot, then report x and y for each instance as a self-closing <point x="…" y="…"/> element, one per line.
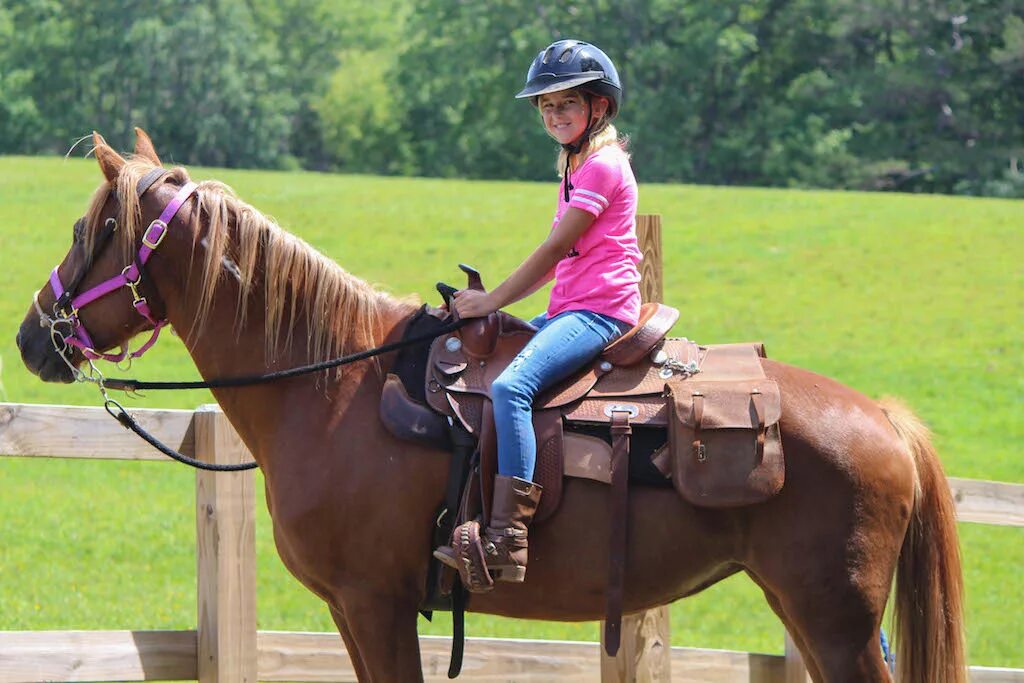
<point x="826" y="421"/>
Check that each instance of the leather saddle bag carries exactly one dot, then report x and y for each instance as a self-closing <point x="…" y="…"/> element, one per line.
<point x="724" y="441"/>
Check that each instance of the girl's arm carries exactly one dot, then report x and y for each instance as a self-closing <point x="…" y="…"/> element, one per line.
<point x="546" y="278"/>
<point x="532" y="273"/>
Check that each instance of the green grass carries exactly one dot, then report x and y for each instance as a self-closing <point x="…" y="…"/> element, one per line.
<point x="914" y="296"/>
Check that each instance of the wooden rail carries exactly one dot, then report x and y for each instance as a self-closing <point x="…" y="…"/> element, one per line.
<point x="320" y="657"/>
<point x="226" y="646"/>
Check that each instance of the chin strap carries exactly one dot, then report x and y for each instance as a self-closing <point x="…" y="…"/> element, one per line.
<point x="574" y="148"/>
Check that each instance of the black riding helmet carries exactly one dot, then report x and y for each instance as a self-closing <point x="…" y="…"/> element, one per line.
<point x="569" y="64"/>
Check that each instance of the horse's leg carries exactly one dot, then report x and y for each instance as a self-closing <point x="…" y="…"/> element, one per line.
<point x="362" y="673"/>
<point x="834" y="608"/>
<point x="850" y="652"/>
<point x="794" y="632"/>
<point x="383" y="630"/>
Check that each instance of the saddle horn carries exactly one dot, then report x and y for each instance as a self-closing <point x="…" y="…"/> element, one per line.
<point x="472" y="277"/>
<point x="481" y="335"/>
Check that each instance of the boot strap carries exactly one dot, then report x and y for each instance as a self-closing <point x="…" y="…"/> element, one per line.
<point x="510" y="537"/>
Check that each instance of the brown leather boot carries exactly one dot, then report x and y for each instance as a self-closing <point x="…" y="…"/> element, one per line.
<point x="505" y="540"/>
<point x="500" y="553"/>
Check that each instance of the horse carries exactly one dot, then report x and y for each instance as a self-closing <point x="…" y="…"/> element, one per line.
<point x="865" y="496"/>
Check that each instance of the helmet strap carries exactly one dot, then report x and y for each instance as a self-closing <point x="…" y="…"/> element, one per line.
<point x="574" y="148"/>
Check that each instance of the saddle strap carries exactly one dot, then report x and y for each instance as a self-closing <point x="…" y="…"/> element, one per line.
<point x="758" y="401"/>
<point x="698" y="416"/>
<point x="621" y="431"/>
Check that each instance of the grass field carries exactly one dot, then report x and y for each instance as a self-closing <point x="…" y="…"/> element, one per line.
<point x="915" y="296"/>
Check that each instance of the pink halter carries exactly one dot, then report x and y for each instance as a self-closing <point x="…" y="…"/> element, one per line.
<point x="130" y="277"/>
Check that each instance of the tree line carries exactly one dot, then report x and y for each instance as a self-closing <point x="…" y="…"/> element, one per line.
<point x="907" y="95"/>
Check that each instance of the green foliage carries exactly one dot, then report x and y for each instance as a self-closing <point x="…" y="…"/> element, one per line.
<point x="856" y="94"/>
<point x="358" y="114"/>
<point x="198" y="76"/>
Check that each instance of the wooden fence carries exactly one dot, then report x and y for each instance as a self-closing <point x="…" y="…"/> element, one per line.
<point x="226" y="647"/>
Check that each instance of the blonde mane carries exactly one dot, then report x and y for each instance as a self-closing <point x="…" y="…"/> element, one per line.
<point x="342" y="313"/>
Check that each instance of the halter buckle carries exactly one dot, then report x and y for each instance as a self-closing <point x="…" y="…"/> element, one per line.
<point x="154" y="242"/>
<point x="133" y="284"/>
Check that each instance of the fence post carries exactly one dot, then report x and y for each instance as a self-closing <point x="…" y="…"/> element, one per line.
<point x="796" y="672"/>
<point x="225" y="554"/>
<point x="645" y="653"/>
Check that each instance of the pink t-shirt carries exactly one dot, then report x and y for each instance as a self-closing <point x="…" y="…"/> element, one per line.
<point x="600" y="273"/>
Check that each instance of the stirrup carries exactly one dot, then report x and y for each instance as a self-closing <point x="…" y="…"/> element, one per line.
<point x="472" y="561"/>
<point x="447" y="556"/>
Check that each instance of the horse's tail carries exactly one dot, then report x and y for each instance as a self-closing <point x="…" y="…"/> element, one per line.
<point x="928" y="614"/>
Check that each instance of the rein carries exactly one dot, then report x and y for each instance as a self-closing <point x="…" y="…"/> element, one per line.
<point x="68" y="304"/>
<point x="131" y="385"/>
<point x="117" y="411"/>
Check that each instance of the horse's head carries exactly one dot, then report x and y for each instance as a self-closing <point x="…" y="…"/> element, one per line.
<point x="100" y="295"/>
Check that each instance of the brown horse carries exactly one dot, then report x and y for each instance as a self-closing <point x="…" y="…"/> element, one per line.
<point x="352" y="508"/>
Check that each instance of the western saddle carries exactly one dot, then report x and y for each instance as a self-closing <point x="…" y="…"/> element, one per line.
<point x="711" y="410"/>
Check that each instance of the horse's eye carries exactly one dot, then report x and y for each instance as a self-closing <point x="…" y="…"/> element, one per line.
<point x="78" y="233"/>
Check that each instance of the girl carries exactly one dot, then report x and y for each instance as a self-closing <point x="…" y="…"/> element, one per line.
<point x="592" y="254"/>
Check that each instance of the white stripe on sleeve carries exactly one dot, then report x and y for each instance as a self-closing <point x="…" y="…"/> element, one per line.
<point x="583" y="200"/>
<point x="593" y="195"/>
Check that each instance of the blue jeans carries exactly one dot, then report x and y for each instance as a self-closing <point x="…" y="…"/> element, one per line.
<point x="563" y="345"/>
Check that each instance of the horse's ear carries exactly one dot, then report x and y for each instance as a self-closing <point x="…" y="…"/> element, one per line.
<point x="109" y="160"/>
<point x="144" y="146"/>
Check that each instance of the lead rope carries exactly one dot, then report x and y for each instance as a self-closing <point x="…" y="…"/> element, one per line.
<point x="134" y="384"/>
<point x="118" y="412"/>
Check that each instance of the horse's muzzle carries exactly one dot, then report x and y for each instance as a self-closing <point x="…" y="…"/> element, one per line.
<point x="39" y="355"/>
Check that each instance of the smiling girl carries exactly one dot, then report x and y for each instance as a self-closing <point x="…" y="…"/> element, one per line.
<point x="591" y="252"/>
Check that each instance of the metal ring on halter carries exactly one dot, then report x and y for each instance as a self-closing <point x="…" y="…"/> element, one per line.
<point x="127" y="360"/>
<point x="131" y="283"/>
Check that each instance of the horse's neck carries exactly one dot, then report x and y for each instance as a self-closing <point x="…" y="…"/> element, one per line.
<point x="221" y="349"/>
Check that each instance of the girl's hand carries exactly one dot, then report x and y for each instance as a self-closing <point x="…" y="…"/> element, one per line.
<point x="472" y="303"/>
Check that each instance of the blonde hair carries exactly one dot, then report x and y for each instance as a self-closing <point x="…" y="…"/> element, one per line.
<point x="603" y="135"/>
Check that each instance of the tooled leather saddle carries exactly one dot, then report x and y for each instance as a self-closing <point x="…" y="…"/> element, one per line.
<point x="708" y="417"/>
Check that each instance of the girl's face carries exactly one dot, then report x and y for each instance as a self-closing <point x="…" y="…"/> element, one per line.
<point x="565" y="113"/>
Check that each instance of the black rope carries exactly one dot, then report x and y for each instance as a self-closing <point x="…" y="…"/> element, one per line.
<point x="128" y="422"/>
<point x="135" y="385"/>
